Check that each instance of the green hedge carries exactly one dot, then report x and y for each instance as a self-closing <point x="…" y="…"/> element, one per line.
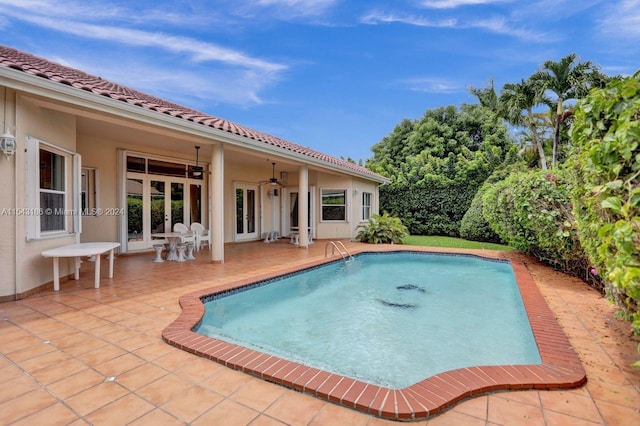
<point x="606" y="136"/>
<point x="531" y="211"/>
<point x="428" y="209"/>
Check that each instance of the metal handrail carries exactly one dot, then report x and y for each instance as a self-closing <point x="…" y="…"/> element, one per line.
<point x="334" y="247"/>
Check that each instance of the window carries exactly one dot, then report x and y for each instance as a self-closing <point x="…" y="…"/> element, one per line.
<point x="334" y="204"/>
<point x="366" y="205"/>
<point x="53" y="191"/>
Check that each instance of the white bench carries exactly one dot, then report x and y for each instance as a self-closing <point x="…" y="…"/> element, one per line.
<point x="78" y="251"/>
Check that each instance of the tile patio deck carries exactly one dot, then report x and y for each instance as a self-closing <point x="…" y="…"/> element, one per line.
<point x="96" y="356"/>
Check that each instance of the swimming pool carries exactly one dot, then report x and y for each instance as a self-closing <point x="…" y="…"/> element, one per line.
<point x="389" y="319"/>
<point x="560" y="367"/>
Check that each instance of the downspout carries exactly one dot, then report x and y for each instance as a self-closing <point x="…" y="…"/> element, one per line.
<point x="15" y="196"/>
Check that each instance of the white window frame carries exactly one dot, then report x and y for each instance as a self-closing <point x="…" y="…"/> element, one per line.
<point x="72" y="186"/>
<point x="366" y="208"/>
<point x="92" y="193"/>
<point x="345" y="205"/>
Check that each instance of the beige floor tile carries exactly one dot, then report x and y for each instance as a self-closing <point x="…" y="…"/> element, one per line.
<point x="475" y="407"/>
<point x="263" y="420"/>
<point x="160" y="391"/>
<point x="76" y="383"/>
<point x="332" y="414"/>
<point x="120" y="365"/>
<point x="53" y="373"/>
<point x="191" y="403"/>
<point x="295" y="408"/>
<point x="96" y="397"/>
<point x="614" y="414"/>
<point x="157" y="417"/>
<point x="503" y="411"/>
<point x="17" y="386"/>
<point x="43" y="361"/>
<point x="553" y="418"/>
<point x="141" y="376"/>
<point x="30" y="352"/>
<point x="121" y="412"/>
<point x="227" y="381"/>
<point x="457" y="419"/>
<point x="258" y="394"/>
<point x="227" y="413"/>
<point x="101" y="355"/>
<point x="25" y="405"/>
<point x="55" y="415"/>
<point x="570" y="404"/>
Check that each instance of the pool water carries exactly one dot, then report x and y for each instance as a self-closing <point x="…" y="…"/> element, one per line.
<point x="390" y="319"/>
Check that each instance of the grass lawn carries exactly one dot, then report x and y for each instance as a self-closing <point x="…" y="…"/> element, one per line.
<point x="438" y="241"/>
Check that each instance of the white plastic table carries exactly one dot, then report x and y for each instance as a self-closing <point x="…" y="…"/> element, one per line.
<point x="78" y="251"/>
<point x="174" y="238"/>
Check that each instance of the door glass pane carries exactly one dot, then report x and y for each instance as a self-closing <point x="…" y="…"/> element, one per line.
<point x="166" y="168"/>
<point x="251" y="210"/>
<point x="157" y="206"/>
<point x="136" y="164"/>
<point x="134" y="209"/>
<point x="195" y="195"/>
<point x="293" y="210"/>
<point x="177" y="203"/>
<point x="239" y="211"/>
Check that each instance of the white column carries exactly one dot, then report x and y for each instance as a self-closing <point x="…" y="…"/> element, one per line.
<point x="216" y="194"/>
<point x="303" y="205"/>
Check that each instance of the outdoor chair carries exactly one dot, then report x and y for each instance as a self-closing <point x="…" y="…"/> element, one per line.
<point x="201" y="234"/>
<point x="183" y="229"/>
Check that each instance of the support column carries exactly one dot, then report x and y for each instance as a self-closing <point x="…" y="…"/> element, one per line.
<point x="303" y="205"/>
<point x="216" y="194"/>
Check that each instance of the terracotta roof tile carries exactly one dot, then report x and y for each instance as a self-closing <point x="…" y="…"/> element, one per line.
<point x="25" y="62"/>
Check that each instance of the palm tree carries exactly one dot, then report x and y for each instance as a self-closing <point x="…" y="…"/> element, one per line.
<point x="486" y="96"/>
<point x="567" y="79"/>
<point x="517" y="101"/>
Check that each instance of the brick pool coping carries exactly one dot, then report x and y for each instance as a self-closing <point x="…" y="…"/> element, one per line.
<point x="560" y="367"/>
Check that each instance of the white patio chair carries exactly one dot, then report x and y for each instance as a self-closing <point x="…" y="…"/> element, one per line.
<point x="201" y="234"/>
<point x="183" y="229"/>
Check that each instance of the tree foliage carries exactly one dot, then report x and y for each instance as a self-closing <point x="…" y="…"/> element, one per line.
<point x="606" y="134"/>
<point x="436" y="165"/>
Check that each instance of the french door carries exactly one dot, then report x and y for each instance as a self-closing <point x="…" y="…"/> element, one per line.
<point x="155" y="204"/>
<point x="246" y="223"/>
<point x="290" y="219"/>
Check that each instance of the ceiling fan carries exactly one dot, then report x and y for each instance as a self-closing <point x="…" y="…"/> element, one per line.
<point x="273" y="181"/>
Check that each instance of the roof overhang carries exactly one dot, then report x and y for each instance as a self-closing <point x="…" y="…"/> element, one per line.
<point x="92" y="103"/>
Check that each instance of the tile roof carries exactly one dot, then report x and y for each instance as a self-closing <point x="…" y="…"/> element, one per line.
<point x="30" y="64"/>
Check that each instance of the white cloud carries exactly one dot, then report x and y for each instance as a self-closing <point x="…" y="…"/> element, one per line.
<point x="433" y="85"/>
<point x="452" y="4"/>
<point x="198" y="51"/>
<point x="375" y="18"/>
<point x="216" y="73"/>
<point x="622" y="20"/>
<point x="286" y="9"/>
<point x="497" y="25"/>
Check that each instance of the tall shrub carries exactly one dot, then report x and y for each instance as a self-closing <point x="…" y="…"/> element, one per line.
<point x="531" y="211"/>
<point x="606" y="134"/>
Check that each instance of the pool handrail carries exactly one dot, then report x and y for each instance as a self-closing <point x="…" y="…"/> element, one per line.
<point x="334" y="247"/>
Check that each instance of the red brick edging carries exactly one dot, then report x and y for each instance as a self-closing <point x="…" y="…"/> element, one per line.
<point x="560" y="367"/>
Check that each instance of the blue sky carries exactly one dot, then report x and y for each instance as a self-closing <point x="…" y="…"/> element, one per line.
<point x="334" y="75"/>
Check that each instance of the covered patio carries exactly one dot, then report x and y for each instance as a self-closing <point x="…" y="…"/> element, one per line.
<point x="85" y="355"/>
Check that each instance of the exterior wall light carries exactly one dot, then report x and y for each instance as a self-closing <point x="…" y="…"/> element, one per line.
<point x="8" y="144"/>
